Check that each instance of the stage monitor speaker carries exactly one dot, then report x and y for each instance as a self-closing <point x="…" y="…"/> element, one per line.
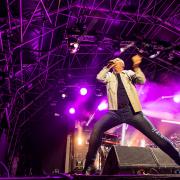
<point x="138" y="160"/>
<point x="162" y="159"/>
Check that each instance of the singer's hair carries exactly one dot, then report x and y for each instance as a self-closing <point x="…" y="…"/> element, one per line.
<point x="118" y="59"/>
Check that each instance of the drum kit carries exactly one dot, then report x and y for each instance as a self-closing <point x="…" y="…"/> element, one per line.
<point x="109" y="139"/>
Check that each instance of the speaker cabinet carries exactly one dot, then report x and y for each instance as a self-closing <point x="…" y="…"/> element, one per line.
<point x="138" y="160"/>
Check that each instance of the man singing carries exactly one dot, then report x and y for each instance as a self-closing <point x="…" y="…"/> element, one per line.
<point x="124" y="107"/>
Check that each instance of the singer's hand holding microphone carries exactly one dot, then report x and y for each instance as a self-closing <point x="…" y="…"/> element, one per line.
<point x="110" y="64"/>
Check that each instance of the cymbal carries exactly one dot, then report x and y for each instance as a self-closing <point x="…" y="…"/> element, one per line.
<point x="111" y="142"/>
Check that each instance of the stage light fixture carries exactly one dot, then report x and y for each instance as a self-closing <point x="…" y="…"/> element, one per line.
<point x="80" y="140"/>
<point x="63" y="95"/>
<point x="57" y="114"/>
<point x="73" y="44"/>
<point x="83" y="91"/>
<point x="154" y="55"/>
<point x="72" y="110"/>
<point x="103" y="105"/>
<point x="176" y="98"/>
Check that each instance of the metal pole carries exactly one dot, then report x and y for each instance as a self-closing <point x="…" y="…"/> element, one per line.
<point x="123" y="134"/>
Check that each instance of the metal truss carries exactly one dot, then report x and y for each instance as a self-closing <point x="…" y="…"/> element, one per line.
<point x="33" y="47"/>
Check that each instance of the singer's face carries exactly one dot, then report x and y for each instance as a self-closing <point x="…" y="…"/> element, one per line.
<point x="119" y="65"/>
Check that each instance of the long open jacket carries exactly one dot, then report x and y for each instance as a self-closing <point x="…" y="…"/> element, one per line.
<point x="129" y="78"/>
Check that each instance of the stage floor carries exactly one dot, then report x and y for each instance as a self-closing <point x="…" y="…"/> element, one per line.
<point x="103" y="177"/>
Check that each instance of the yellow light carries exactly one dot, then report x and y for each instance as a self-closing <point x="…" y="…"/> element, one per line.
<point x="79" y="140"/>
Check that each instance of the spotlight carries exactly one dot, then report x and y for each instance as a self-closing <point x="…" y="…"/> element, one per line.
<point x="73" y="44"/>
<point x="167" y="97"/>
<point x="76" y="45"/>
<point x="79" y="140"/>
<point x="154" y="55"/>
<point x="57" y="114"/>
<point x="142" y="143"/>
<point x="72" y="110"/>
<point x="103" y="105"/>
<point x="123" y="49"/>
<point x="83" y="91"/>
<point x="63" y="95"/>
<point x="176" y="98"/>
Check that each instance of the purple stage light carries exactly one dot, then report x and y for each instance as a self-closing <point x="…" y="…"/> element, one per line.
<point x="72" y="110"/>
<point x="57" y="114"/>
<point x="103" y="106"/>
<point x="176" y="98"/>
<point x="63" y="95"/>
<point x="76" y="45"/>
<point x="83" y="91"/>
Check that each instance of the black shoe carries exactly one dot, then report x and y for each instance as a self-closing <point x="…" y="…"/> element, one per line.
<point x="90" y="170"/>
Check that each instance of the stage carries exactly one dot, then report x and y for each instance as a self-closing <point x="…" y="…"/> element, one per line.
<point x="89" y="81"/>
<point x="103" y="177"/>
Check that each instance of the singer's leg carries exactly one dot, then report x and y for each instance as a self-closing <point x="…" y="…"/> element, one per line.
<point x="141" y="123"/>
<point x="108" y="121"/>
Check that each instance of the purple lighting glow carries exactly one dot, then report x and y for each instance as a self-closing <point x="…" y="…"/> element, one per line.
<point x="83" y="91"/>
<point x="103" y="105"/>
<point x="72" y="110"/>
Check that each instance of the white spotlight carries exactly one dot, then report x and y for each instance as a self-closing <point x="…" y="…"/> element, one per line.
<point x="176" y="98"/>
<point x="142" y="143"/>
<point x="63" y="95"/>
<point x="79" y="140"/>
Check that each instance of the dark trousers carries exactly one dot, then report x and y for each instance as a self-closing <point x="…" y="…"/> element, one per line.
<point x="137" y="120"/>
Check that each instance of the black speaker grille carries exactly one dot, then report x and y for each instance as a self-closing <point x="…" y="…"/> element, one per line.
<point x="163" y="159"/>
<point x="134" y="156"/>
<point x="123" y="159"/>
